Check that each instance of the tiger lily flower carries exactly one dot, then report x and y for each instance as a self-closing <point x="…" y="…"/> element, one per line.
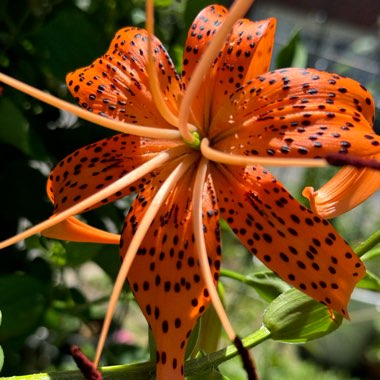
<point x="191" y="147"/>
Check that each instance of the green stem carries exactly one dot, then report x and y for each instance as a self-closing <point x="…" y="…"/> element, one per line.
<point x="146" y="370"/>
<point x="234" y="275"/>
<point x="371" y="242"/>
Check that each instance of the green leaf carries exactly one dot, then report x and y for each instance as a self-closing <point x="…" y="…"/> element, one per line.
<point x="267" y="284"/>
<point x="372" y="254"/>
<point x="14" y="127"/>
<point x="162" y="3"/>
<point x="293" y="54"/>
<point x="296" y="318"/>
<point x="370" y="282"/>
<point x="214" y="374"/>
<point x="1" y="350"/>
<point x="23" y="300"/>
<point x="70" y="44"/>
<point x="1" y="358"/>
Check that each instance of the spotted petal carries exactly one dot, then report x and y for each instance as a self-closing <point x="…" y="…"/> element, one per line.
<point x="97" y="165"/>
<point x="199" y="37"/>
<point x="297" y="112"/>
<point x="165" y="275"/>
<point x="247" y="54"/>
<point x="117" y="84"/>
<point x="277" y="229"/>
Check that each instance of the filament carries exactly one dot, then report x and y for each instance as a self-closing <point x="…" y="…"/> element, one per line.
<point x="239" y="160"/>
<point x="111" y="189"/>
<point x="137" y="130"/>
<point x="154" y="84"/>
<point x="200" y="246"/>
<point x="238" y="10"/>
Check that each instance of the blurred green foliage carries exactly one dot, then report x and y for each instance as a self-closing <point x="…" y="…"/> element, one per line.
<point x="53" y="294"/>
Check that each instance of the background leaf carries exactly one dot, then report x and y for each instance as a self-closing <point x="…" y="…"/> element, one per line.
<point x="14" y="127"/>
<point x="296" y="318"/>
<point x="23" y="300"/>
<point x="294" y="54"/>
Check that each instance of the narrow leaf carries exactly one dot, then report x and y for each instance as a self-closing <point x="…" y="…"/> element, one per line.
<point x="293" y="54"/>
<point x="370" y="282"/>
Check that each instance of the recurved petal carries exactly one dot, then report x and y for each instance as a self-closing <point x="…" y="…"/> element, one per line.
<point x="298" y="245"/>
<point x="91" y="168"/>
<point x="117" y="84"/>
<point x="73" y="229"/>
<point x="165" y="275"/>
<point x="297" y="113"/>
<point x="347" y="189"/>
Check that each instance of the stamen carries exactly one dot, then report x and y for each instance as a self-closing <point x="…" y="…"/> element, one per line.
<point x="154" y="84"/>
<point x="113" y="188"/>
<point x="200" y="246"/>
<point x="137" y="130"/>
<point x="356" y="162"/>
<point x="238" y="10"/>
<point x="239" y="160"/>
<point x="135" y="243"/>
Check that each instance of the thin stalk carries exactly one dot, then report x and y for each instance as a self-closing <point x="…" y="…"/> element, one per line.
<point x="146" y="370"/>
<point x="368" y="244"/>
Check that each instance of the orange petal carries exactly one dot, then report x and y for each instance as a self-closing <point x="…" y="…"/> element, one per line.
<point x="200" y="34"/>
<point x="302" y="248"/>
<point x="347" y="189"/>
<point x="73" y="229"/>
<point x="91" y="168"/>
<point x="165" y="275"/>
<point x="117" y="84"/>
<point x="246" y="55"/>
<point x="297" y="113"/>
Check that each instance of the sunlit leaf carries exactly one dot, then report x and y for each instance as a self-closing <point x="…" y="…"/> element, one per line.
<point x="293" y="54"/>
<point x="370" y="282"/>
<point x="1" y="350"/>
<point x="372" y="254"/>
<point x="162" y="3"/>
<point x="294" y="317"/>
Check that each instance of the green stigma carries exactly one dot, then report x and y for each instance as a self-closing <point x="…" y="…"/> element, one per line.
<point x="195" y="143"/>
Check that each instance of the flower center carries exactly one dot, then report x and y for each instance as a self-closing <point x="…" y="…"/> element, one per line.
<point x="195" y="142"/>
